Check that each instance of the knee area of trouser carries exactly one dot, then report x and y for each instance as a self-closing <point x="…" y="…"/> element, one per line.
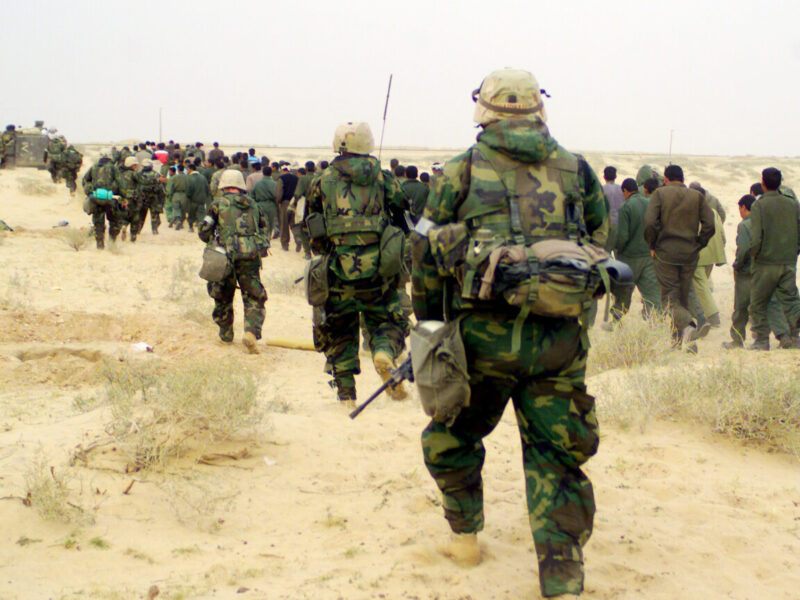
<point x="583" y="437"/>
<point x="253" y="288"/>
<point x="217" y="290"/>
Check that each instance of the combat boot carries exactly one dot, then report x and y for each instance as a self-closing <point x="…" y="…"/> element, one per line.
<point x="759" y="345"/>
<point x="101" y="244"/>
<point x="384" y="365"/>
<point x="785" y="342"/>
<point x="732" y="345"/>
<point x="346" y="394"/>
<point x="462" y="549"/>
<point x="249" y="342"/>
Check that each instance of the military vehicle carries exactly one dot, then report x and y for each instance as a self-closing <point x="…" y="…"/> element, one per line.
<point x="30" y="146"/>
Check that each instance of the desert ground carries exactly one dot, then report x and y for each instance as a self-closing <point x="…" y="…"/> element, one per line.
<point x="696" y="497"/>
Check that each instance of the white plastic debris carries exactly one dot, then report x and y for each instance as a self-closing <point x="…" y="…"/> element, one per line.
<point x="141" y="347"/>
<point x="269" y="462"/>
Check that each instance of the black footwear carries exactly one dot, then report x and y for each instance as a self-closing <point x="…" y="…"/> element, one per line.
<point x="345" y="392"/>
<point x="785" y="342"/>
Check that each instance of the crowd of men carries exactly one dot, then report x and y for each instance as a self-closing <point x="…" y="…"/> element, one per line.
<point x="188" y="179"/>
<point x="671" y="236"/>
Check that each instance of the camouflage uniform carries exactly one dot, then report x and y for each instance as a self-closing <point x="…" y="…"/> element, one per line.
<point x="356" y="200"/>
<point x="151" y="191"/>
<point x="71" y="163"/>
<point x="55" y="150"/>
<point x="233" y="220"/>
<point x="131" y="201"/>
<point x="106" y="176"/>
<point x="545" y="377"/>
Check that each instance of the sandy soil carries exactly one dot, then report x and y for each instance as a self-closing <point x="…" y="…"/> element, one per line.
<point x="316" y="505"/>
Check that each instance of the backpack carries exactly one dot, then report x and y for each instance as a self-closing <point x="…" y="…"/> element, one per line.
<point x="238" y="227"/>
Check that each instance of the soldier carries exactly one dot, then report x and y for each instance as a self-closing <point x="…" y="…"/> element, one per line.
<point x="496" y="190"/>
<point x="673" y="219"/>
<point x="151" y="192"/>
<point x="775" y="225"/>
<point x="129" y="191"/>
<point x="8" y="147"/>
<point x="356" y="203"/>
<point x="416" y="192"/>
<point x="71" y="161"/>
<point x="198" y="194"/>
<point x="104" y="175"/>
<point x="633" y="250"/>
<point x="54" y="155"/>
<point x="233" y="220"/>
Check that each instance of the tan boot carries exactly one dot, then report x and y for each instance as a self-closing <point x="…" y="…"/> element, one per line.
<point x="384" y="365"/>
<point x="463" y="549"/>
<point x="249" y="342"/>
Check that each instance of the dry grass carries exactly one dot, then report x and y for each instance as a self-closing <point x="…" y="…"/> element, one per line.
<point x="634" y="341"/>
<point x="74" y="238"/>
<point x="159" y="414"/>
<point x="35" y="187"/>
<point x="741" y="395"/>
<point x="48" y="492"/>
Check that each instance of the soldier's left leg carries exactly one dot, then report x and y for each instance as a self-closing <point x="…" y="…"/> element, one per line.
<point x="647" y="283"/>
<point x="254" y="296"/>
<point x="222" y="292"/>
<point x="787" y="295"/>
<point x="71" y="178"/>
<point x="339" y="333"/>
<point x="559" y="432"/>
<point x="386" y="323"/>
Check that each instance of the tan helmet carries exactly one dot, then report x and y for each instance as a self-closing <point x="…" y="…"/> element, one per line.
<point x="231" y="178"/>
<point x="508" y="94"/>
<point x="131" y="162"/>
<point x="353" y="137"/>
<point x="147" y="163"/>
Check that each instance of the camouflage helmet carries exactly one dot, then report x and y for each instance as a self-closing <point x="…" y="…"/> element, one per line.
<point x="353" y="137"/>
<point x="231" y="178"/>
<point x="508" y="94"/>
<point x="130" y="162"/>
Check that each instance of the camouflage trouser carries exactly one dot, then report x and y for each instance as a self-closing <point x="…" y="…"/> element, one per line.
<point x="70" y="176"/>
<point x="136" y="215"/>
<point x="644" y="278"/>
<point x="254" y="297"/>
<point x="336" y="325"/>
<point x="557" y="425"/>
<point x="116" y="220"/>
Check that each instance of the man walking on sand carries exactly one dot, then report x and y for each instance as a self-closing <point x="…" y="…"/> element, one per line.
<point x="677" y="224"/>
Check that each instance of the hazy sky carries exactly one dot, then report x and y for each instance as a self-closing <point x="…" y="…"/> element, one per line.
<point x="724" y="75"/>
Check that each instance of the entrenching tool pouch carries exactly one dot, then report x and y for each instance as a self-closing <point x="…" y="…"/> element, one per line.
<point x="391" y="258"/>
<point x="316" y="280"/>
<point x="439" y="362"/>
<point x="216" y="265"/>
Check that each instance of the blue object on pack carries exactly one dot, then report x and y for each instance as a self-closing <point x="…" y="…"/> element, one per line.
<point x="103" y="194"/>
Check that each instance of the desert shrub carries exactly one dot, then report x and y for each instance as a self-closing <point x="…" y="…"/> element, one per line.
<point x="74" y="238"/>
<point x="162" y="413"/>
<point x="48" y="492"/>
<point x="740" y="395"/>
<point x="633" y="341"/>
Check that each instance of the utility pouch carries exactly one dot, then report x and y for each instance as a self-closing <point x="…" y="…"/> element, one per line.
<point x="316" y="280"/>
<point x="315" y="222"/>
<point x="216" y="265"/>
<point x="449" y="244"/>
<point x="440" y="369"/>
<point x="391" y="247"/>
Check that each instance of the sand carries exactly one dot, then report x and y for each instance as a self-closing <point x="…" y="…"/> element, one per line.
<point x="314" y="505"/>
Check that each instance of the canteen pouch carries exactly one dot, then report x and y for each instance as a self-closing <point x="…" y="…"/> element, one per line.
<point x="316" y="280"/>
<point x="315" y="222"/>
<point x="440" y="369"/>
<point x="216" y="265"/>
<point x="391" y="258"/>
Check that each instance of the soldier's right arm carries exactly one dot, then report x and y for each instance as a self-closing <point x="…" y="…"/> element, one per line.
<point x="209" y="224"/>
<point x="427" y="286"/>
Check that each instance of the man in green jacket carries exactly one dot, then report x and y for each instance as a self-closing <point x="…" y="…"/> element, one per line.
<point x="415" y="191"/>
<point x="264" y="195"/>
<point x="634" y="251"/>
<point x="775" y="245"/>
<point x="742" y="284"/>
<point x="678" y="223"/>
<point x="177" y="186"/>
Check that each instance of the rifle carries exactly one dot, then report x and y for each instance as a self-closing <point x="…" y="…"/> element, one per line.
<point x="399" y="375"/>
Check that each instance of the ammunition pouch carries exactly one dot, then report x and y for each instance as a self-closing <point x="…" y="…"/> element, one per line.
<point x="391" y="252"/>
<point x="439" y="363"/>
<point x="315" y="223"/>
<point x="316" y="280"/>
